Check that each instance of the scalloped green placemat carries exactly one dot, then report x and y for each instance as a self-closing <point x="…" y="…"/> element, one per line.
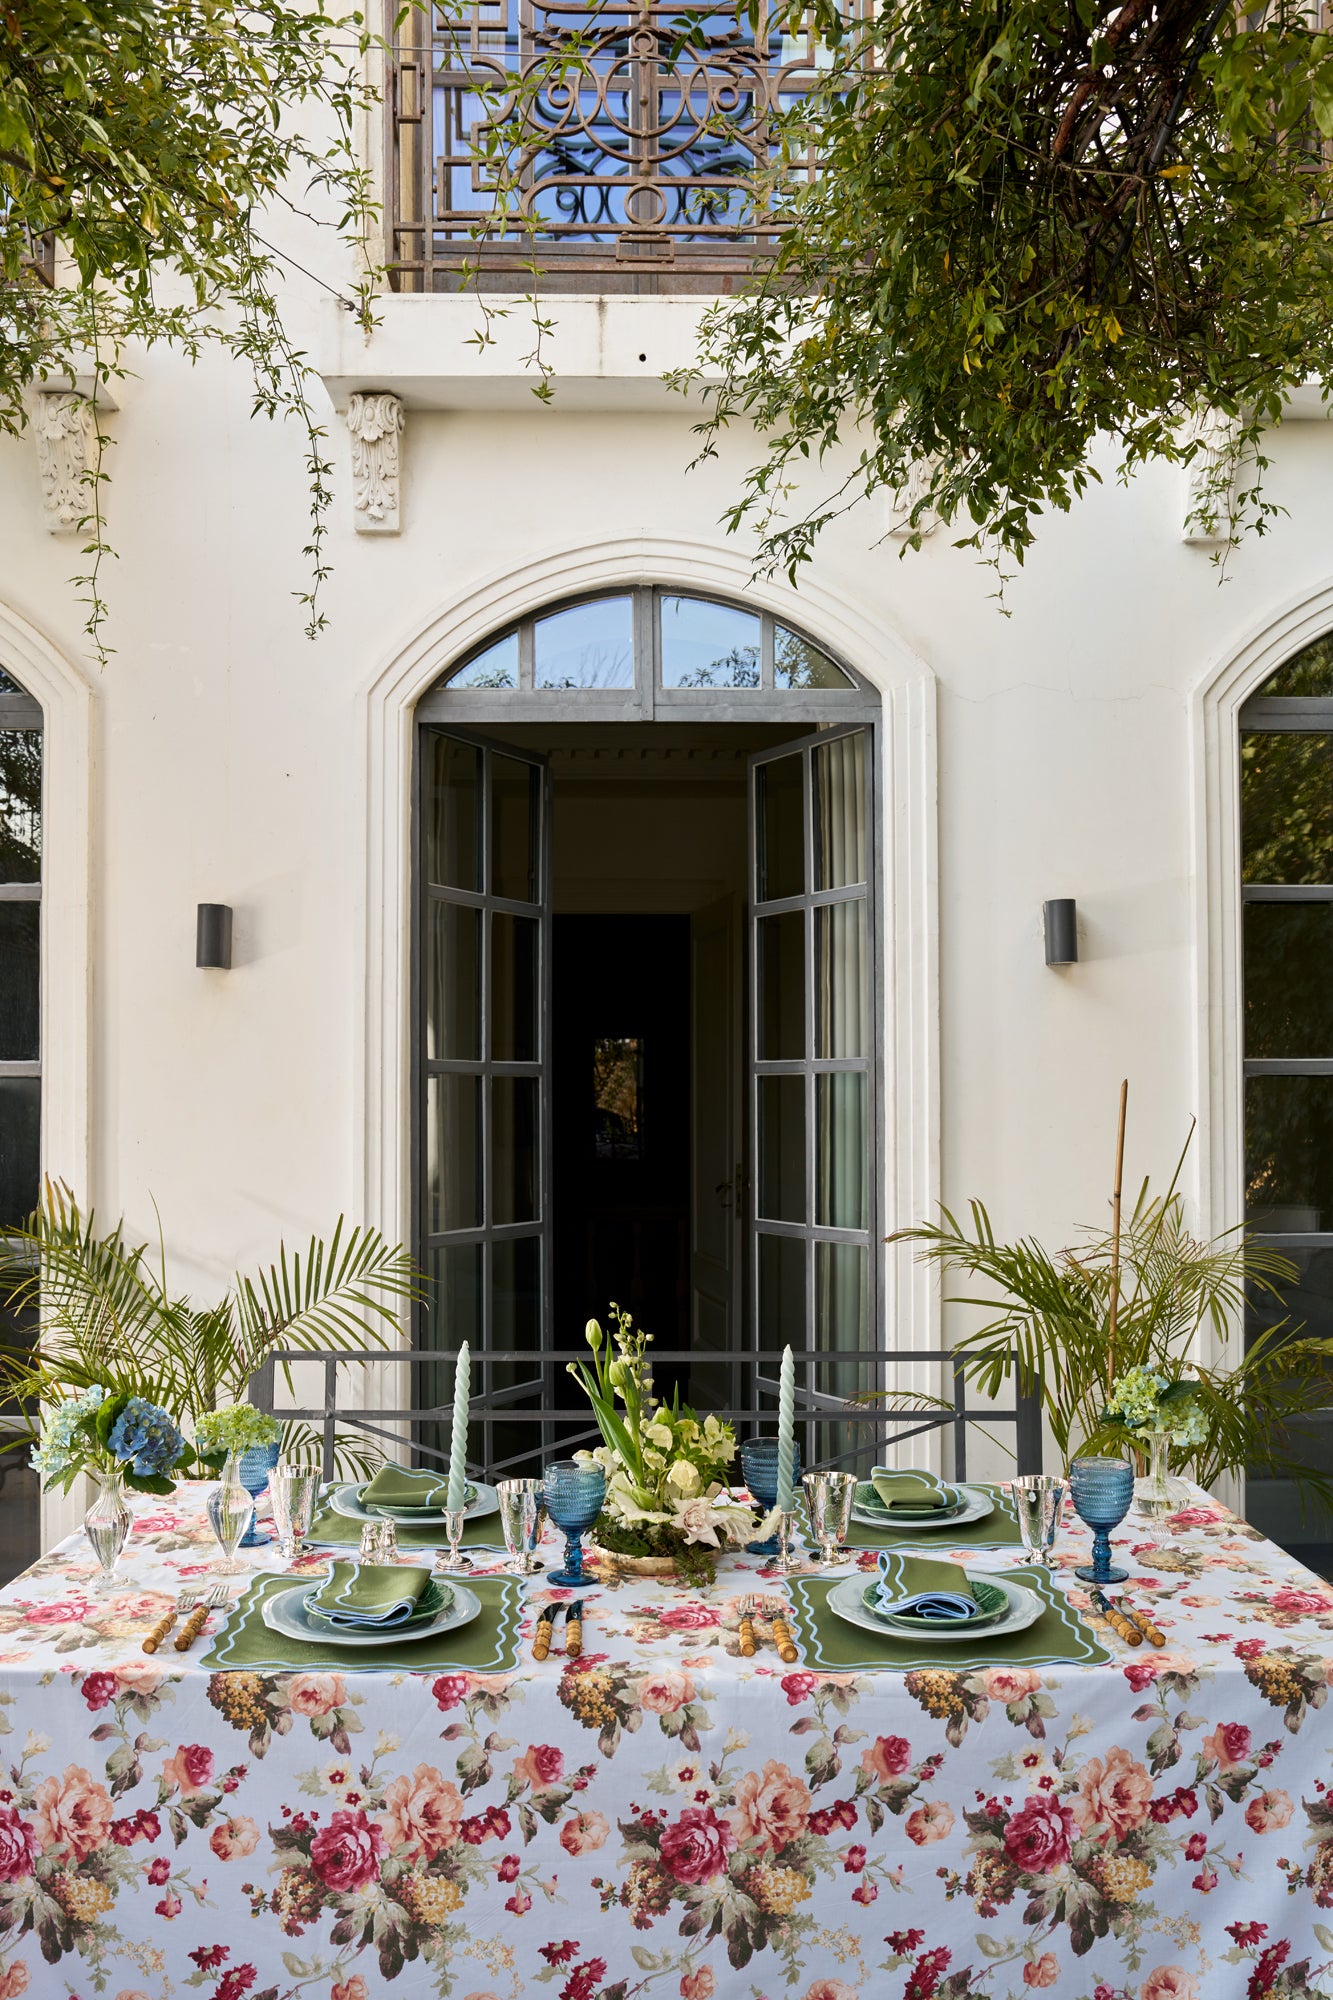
<point x="1058" y="1639"/>
<point x="489" y="1645"/>
<point x="998" y="1531"/>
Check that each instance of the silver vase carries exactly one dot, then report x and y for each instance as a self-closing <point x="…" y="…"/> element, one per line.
<point x="107" y="1525"/>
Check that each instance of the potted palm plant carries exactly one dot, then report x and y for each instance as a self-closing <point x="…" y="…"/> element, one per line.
<point x="1108" y="1329"/>
<point x="107" y="1324"/>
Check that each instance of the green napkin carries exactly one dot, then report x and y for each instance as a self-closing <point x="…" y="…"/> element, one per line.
<point x="402" y="1486"/>
<point x="998" y="1529"/>
<point x="357" y="1594"/>
<point x="904" y="1579"/>
<point x="916" y="1491"/>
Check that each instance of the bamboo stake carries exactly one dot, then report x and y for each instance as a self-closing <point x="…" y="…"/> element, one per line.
<point x="1115" y="1237"/>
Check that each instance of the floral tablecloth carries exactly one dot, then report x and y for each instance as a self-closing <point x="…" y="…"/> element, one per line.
<point x="665" y="1817"/>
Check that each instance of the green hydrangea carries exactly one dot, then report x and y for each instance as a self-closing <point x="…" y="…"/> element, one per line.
<point x="240" y="1427"/>
<point x="64" y="1439"/>
<point x="1146" y="1401"/>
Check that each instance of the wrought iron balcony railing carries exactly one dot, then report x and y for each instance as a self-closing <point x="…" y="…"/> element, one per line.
<point x="633" y="170"/>
<point x="526" y="1409"/>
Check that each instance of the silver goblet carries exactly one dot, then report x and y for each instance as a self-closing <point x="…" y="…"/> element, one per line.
<point x="522" y="1517"/>
<point x="829" y="1497"/>
<point x="1039" y="1500"/>
<point x="293" y="1492"/>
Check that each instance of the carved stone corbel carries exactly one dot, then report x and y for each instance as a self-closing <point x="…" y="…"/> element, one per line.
<point x="1210" y="482"/>
<point x="375" y="420"/>
<point x="902" y="499"/>
<point x="65" y="434"/>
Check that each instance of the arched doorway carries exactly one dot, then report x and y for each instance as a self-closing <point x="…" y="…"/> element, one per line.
<point x="645" y="1001"/>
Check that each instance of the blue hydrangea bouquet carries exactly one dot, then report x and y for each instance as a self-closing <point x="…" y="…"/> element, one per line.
<point x="111" y="1435"/>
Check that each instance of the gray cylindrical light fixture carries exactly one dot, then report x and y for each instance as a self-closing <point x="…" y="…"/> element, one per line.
<point x="212" y="936"/>
<point x="1060" y="921"/>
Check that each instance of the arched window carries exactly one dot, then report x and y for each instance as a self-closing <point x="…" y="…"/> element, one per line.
<point x="1286" y="764"/>
<point x="646" y="998"/>
<point x="20" y="1053"/>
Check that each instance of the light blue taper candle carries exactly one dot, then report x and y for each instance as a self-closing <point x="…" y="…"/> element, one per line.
<point x="786" y="1415"/>
<point x="458" y="1438"/>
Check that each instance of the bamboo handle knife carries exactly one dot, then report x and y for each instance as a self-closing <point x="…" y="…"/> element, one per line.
<point x="541" y="1644"/>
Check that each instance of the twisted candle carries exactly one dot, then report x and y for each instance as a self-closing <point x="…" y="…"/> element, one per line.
<point x="458" y="1436"/>
<point x="786" y="1415"/>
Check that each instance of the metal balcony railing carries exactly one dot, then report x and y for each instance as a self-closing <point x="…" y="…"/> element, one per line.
<point x="636" y="152"/>
<point x="527" y="1408"/>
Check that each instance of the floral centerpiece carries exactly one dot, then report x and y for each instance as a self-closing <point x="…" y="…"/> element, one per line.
<point x="1158" y="1418"/>
<point x="121" y="1440"/>
<point x="124" y="1439"/>
<point x="667" y="1469"/>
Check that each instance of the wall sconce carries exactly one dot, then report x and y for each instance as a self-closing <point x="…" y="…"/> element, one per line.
<point x="212" y="936"/>
<point x="1060" y="921"/>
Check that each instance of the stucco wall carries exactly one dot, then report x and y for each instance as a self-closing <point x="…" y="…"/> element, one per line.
<point x="228" y="763"/>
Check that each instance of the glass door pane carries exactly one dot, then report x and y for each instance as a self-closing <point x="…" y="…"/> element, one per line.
<point x="814" y="1210"/>
<point x="484" y="949"/>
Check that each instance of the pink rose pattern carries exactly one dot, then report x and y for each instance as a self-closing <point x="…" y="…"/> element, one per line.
<point x="1156" y="1829"/>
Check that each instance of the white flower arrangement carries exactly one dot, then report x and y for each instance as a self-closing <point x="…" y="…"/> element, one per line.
<point x="667" y="1468"/>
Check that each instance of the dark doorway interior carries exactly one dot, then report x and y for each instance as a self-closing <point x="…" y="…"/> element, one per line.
<point x="621" y="1097"/>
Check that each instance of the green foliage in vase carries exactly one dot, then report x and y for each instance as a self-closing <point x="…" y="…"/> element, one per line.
<point x="1050" y="1319"/>
<point x="106" y="1317"/>
<point x="1040" y="234"/>
<point x="146" y="146"/>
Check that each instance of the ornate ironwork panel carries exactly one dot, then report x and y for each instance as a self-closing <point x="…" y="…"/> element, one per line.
<point x="638" y="142"/>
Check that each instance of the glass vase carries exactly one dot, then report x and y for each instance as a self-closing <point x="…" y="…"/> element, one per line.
<point x="1158" y="1493"/>
<point x="107" y="1524"/>
<point x="230" y="1511"/>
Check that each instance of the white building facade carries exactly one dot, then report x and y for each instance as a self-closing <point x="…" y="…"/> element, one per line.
<point x="606" y="914"/>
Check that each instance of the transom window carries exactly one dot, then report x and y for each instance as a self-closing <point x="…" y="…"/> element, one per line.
<point x="649" y="652"/>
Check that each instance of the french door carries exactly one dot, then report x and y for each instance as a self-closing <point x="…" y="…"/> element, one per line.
<point x="482" y="1093"/>
<point x="812" y="1031"/>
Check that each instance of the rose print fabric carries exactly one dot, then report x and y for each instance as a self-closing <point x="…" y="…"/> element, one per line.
<point x="666" y="1818"/>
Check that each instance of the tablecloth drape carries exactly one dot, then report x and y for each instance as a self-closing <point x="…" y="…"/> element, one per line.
<point x="665" y="1817"/>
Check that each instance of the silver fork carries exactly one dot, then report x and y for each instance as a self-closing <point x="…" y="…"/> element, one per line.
<point x="185" y="1602"/>
<point x="749" y="1641"/>
<point x="216" y="1594"/>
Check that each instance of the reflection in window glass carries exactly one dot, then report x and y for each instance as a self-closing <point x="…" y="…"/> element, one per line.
<point x="841" y="987"/>
<point x="588" y="646"/>
<point x="20" y="1142"/>
<point x="782" y="1293"/>
<point x="617" y="1097"/>
<point x="515" y="813"/>
<point x="782" y="1148"/>
<point x="841" y="1151"/>
<point x="707" y="645"/>
<point x="1289" y="1152"/>
<point x="453" y="1153"/>
<point x="780" y="792"/>
<point x="20" y="981"/>
<point x="798" y="664"/>
<point x="1288" y="990"/>
<point x="1286" y="806"/>
<point x="1309" y="672"/>
<point x="452" y="807"/>
<point x="839" y="773"/>
<point x="20" y="805"/>
<point x="453" y="984"/>
<point x="497" y="667"/>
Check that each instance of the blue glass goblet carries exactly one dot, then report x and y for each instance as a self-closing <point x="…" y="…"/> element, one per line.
<point x="1101" y="1490"/>
<point x="573" y="1495"/>
<point x="255" y="1467"/>
<point x="759" y="1469"/>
